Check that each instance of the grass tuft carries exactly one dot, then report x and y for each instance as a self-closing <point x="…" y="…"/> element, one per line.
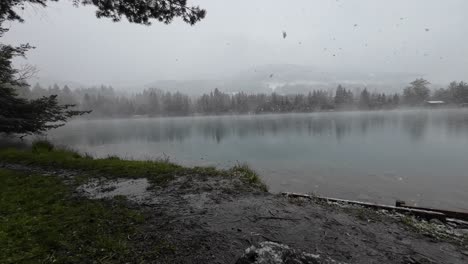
<point x="42" y="145"/>
<point x="113" y="157"/>
<point x="250" y="176"/>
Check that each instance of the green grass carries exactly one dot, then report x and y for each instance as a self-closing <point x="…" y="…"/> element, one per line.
<point x="44" y="154"/>
<point x="42" y="145"/>
<point x="250" y="176"/>
<point x="42" y="222"/>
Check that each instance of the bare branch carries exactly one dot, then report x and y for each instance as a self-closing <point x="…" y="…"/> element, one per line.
<point x="26" y="72"/>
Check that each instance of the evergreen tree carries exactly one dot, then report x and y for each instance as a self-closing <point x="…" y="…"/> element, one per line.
<point x="364" y="100"/>
<point x="343" y="97"/>
<point x="460" y="93"/>
<point x="66" y="89"/>
<point x="417" y="92"/>
<point x="139" y="12"/>
<point x="396" y="99"/>
<point x="23" y="116"/>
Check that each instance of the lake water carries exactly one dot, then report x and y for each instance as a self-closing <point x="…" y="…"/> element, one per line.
<point x="420" y="156"/>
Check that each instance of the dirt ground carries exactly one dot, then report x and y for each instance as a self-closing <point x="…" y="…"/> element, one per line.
<point x="199" y="219"/>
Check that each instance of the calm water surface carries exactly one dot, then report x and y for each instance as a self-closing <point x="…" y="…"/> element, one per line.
<point x="420" y="156"/>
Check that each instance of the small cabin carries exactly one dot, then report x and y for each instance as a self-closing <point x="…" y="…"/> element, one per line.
<point x="434" y="103"/>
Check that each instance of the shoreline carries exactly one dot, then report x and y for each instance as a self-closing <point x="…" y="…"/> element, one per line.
<point x="204" y="215"/>
<point x="137" y="117"/>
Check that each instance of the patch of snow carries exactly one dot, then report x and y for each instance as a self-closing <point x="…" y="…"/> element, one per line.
<point x="275" y="253"/>
<point x="315" y="256"/>
<point x="134" y="189"/>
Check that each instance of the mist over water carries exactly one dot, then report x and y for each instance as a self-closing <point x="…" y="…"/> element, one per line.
<point x="416" y="155"/>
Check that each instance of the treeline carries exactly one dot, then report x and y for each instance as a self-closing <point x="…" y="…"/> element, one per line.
<point x="105" y="102"/>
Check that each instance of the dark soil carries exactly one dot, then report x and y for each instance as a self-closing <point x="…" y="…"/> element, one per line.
<point x="200" y="219"/>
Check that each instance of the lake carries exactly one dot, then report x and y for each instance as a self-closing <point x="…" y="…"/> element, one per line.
<point x="420" y="156"/>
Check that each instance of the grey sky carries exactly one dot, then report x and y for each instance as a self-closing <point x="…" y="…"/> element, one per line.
<point x="364" y="35"/>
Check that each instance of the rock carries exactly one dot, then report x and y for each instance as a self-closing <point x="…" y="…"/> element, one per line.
<point x="409" y="260"/>
<point x="417" y="260"/>
<point x="274" y="253"/>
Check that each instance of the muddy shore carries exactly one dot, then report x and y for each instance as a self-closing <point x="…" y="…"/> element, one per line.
<point x="224" y="220"/>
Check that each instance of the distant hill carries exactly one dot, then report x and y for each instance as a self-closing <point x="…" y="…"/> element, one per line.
<point x="289" y="78"/>
<point x="281" y="78"/>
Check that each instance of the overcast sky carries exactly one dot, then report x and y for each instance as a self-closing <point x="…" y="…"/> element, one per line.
<point x="418" y="36"/>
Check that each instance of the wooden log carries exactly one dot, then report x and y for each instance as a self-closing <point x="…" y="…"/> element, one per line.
<point x="417" y="212"/>
<point x="452" y="214"/>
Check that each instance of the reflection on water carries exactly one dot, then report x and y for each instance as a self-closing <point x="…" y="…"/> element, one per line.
<point x="219" y="128"/>
<point x="418" y="155"/>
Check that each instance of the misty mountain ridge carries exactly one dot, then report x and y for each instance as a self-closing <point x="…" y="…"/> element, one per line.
<point x="290" y="78"/>
<point x="280" y="78"/>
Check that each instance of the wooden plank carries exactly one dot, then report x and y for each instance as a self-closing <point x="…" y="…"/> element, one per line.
<point x="417" y="212"/>
<point x="449" y="213"/>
